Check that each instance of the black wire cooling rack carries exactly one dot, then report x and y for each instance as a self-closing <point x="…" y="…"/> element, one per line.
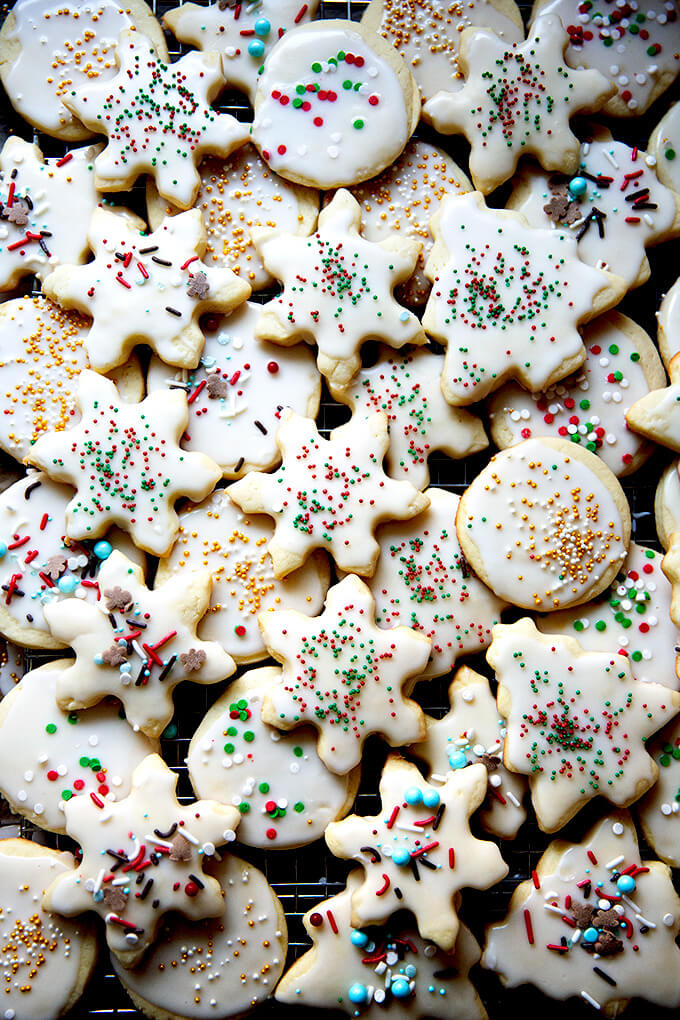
<point x="304" y="876"/>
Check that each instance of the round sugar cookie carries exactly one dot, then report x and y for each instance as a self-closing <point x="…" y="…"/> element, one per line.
<point x="39" y="564"/>
<point x="668" y="324"/>
<point x="667" y="503"/>
<point x="42" y="353"/>
<point x="238" y="391"/>
<point x="546" y="525"/>
<point x="664" y="145"/>
<point x="233" y="545"/>
<point x="238" y="193"/>
<point x="48" y="756"/>
<point x="335" y="105"/>
<point x="46" y="960"/>
<point x="220" y="968"/>
<point x="284" y="792"/>
<point x="589" y="407"/>
<point x="48" y="47"/>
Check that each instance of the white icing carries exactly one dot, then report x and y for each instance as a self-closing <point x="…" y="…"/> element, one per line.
<point x="659" y="810"/>
<point x="667" y="504"/>
<point x="668" y="318"/>
<point x="666" y="148"/>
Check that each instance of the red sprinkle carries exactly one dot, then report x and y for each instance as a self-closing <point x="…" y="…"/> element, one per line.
<point x="535" y="879"/>
<point x="331" y="921"/>
<point x="385" y="887"/>
<point x="529" y="927"/>
<point x="300" y="14"/>
<point x="393" y="816"/>
<point x="65" y="159"/>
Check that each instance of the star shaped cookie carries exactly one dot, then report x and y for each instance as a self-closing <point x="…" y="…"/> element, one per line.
<point x="517" y="99"/>
<point x="125" y="463"/>
<point x="148" y="834"/>
<point x="418" y="852"/>
<point x="343" y="675"/>
<point x="136" y="644"/>
<point x="328" y="493"/>
<point x="577" y="721"/>
<point x="337" y="289"/>
<point x="156" y="283"/>
<point x="507" y="299"/>
<point x="157" y="118"/>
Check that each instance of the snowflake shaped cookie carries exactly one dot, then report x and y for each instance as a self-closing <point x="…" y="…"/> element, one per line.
<point x="242" y="35"/>
<point x="471" y="732"/>
<point x="328" y="493"/>
<point x="45" y="209"/>
<point x="136" y="644"/>
<point x="423" y="581"/>
<point x="156" y="282"/>
<point x="157" y="118"/>
<point x="407" y="387"/>
<point x="577" y="721"/>
<point x="517" y="100"/>
<point x="657" y="415"/>
<point x="419" y="851"/>
<point x="338" y="289"/>
<point x="343" y="675"/>
<point x="593" y="921"/>
<point x="125" y="464"/>
<point x="506" y="299"/>
<point x="342" y="970"/>
<point x="148" y="833"/>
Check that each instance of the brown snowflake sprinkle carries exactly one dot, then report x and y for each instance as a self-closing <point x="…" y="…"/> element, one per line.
<point x="491" y="761"/>
<point x="115" y="655"/>
<point x="17" y="213"/>
<point x="192" y="660"/>
<point x="198" y="286"/>
<point x="217" y="386"/>
<point x="118" y="598"/>
<point x="115" y="898"/>
<point x="55" y="566"/>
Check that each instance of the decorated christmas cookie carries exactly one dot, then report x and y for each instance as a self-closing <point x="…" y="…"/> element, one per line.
<point x="48" y="48"/>
<point x="632" y="618"/>
<point x="46" y="960"/>
<point x="343" y="675"/>
<point x="659" y="810"/>
<point x="517" y="100"/>
<point x="235" y="195"/>
<point x="238" y="391"/>
<point x="285" y="794"/>
<point x="335" y="105"/>
<point x="657" y="415"/>
<point x="668" y="320"/>
<point x="48" y="756"/>
<point x="328" y="493"/>
<point x="242" y="35"/>
<point x="338" y="289"/>
<point x="45" y="209"/>
<point x="419" y="851"/>
<point x="667" y="504"/>
<point x="39" y="563"/>
<point x="664" y="145"/>
<point x="634" y="45"/>
<point x="589" y="407"/>
<point x="136" y="644"/>
<point x="407" y="388"/>
<point x="156" y="283"/>
<point x="216" y="535"/>
<point x="163" y="123"/>
<point x="125" y="463"/>
<point x="494" y="324"/>
<point x="222" y="967"/>
<point x="147" y="834"/>
<point x="671" y="568"/>
<point x="546" y="525"/>
<point x="471" y="732"/>
<point x="12" y="665"/>
<point x="376" y="972"/>
<point x="593" y="921"/>
<point x="427" y="34"/>
<point x="404" y="197"/>
<point x="423" y="581"/>
<point x="42" y="353"/>
<point x="577" y="721"/>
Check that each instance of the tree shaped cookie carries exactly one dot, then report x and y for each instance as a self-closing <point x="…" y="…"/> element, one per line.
<point x="506" y="299"/>
<point x="407" y="387"/>
<point x="156" y="283"/>
<point x="423" y="581"/>
<point x="147" y="834"/>
<point x="517" y="99"/>
<point x="125" y="463"/>
<point x="338" y="289"/>
<point x="328" y="493"/>
<point x="136" y="644"/>
<point x="419" y="851"/>
<point x="577" y="721"/>
<point x="471" y="732"/>
<point x="342" y="970"/>
<point x="594" y="921"/>
<point x="157" y="118"/>
<point x="657" y="414"/>
<point x="343" y="675"/>
<point x="45" y="209"/>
